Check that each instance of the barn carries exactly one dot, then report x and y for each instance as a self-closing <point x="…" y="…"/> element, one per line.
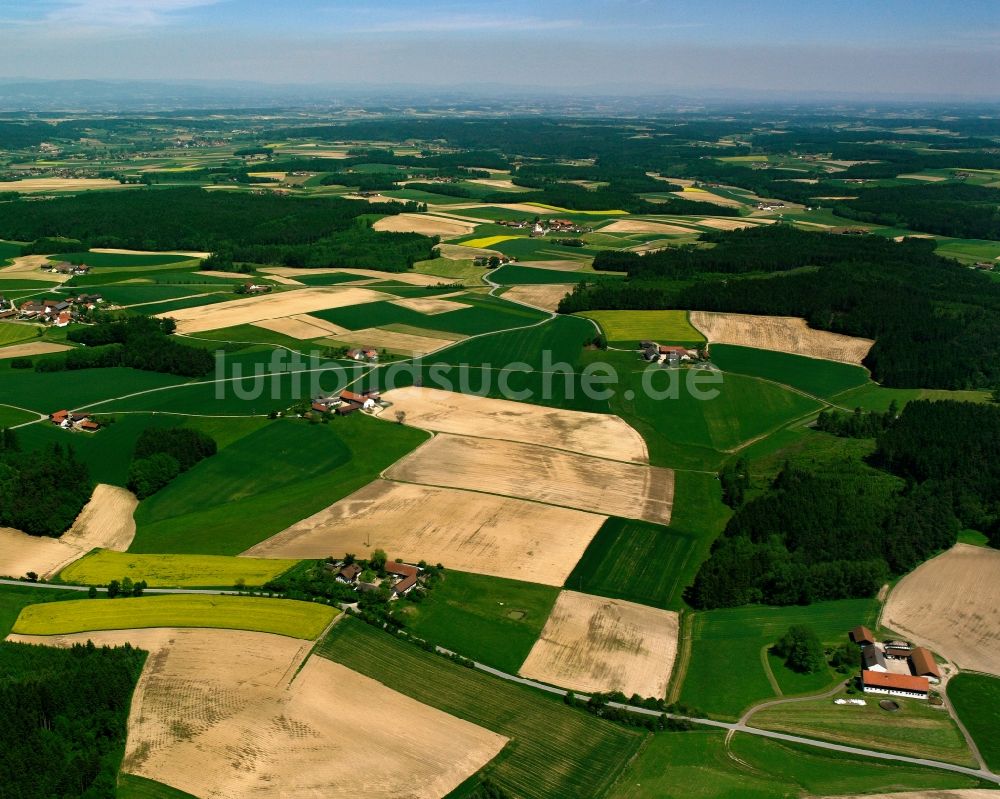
<point x="877" y="682"/>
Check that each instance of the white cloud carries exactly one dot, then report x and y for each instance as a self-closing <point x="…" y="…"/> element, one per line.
<point x="120" y="13"/>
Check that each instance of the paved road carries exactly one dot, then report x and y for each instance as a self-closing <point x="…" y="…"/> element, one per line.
<point x="86" y="588"/>
<point x="739" y="726"/>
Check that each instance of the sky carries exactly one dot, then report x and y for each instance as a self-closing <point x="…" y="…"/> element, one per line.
<point x="934" y="48"/>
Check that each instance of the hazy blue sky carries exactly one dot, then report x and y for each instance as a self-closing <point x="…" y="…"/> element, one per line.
<point x="856" y="46"/>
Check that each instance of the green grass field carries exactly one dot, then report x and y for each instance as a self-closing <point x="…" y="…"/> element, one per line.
<point x="820" y="378"/>
<point x="513" y="275"/>
<point x="726" y="672"/>
<point x="11" y="416"/>
<point x="50" y="391"/>
<point x="280" y="616"/>
<point x="683" y="430"/>
<point x="488" y="619"/>
<point x="448" y="269"/>
<point x="555" y="752"/>
<point x="484" y="315"/>
<point x="134" y="294"/>
<point x="14" y="332"/>
<point x="233" y="500"/>
<point x="916" y="729"/>
<point x="330" y="278"/>
<point x="976" y="698"/>
<point x="698" y="765"/>
<point x="636" y="561"/>
<point x="631" y="327"/>
<point x="173" y="571"/>
<point x="132" y="787"/>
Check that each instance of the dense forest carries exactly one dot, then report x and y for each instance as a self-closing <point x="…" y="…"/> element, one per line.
<point x="139" y="342"/>
<point x="42" y="491"/>
<point x="971" y="212"/>
<point x="841" y="532"/>
<point x="162" y="454"/>
<point x="936" y="324"/>
<point x="261" y="228"/>
<point x="65" y="713"/>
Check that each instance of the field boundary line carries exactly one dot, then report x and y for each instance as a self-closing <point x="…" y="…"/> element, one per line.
<point x="768" y="671"/>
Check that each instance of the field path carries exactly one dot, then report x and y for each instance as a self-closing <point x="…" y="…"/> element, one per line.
<point x="739" y="726"/>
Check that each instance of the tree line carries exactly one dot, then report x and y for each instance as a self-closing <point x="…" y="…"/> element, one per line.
<point x="65" y="715"/>
<point x="935" y="323"/>
<point x="41" y="491"/>
<point x="138" y="342"/>
<point x="162" y="454"/>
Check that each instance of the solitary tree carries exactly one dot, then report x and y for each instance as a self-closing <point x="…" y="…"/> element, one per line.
<point x="377" y="560"/>
<point x="401" y="416"/>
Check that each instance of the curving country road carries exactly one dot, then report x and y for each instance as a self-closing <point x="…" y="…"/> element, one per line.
<point x="733" y="727"/>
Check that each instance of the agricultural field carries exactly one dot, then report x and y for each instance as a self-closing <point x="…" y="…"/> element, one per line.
<point x="174" y="571"/>
<point x="592" y="644"/>
<point x="544" y="475"/>
<point x="638" y="561"/>
<point x="631" y="327"/>
<point x="702" y="765"/>
<point x="488" y="619"/>
<point x="546" y="296"/>
<point x="596" y="434"/>
<point x="516" y="275"/>
<point x="9" y="417"/>
<point x="728" y="642"/>
<point x="821" y="378"/>
<point x="233" y="500"/>
<point x="976" y="699"/>
<point x="951" y="604"/>
<point x="14" y="332"/>
<point x="554" y="752"/>
<point x="269" y="306"/>
<point x="280" y="616"/>
<point x="293" y="719"/>
<point x="780" y="333"/>
<point x="470" y="532"/>
<point x="916" y="729"/>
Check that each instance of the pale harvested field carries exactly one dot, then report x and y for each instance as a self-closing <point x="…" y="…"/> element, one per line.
<point x="227" y="715"/>
<point x="951" y="604"/>
<point x="225" y="275"/>
<point x="106" y="521"/>
<point x="497" y="183"/>
<point x="591" y="643"/>
<point x="21" y="553"/>
<point x="479" y="533"/>
<point x="600" y="434"/>
<point x="425" y="224"/>
<point x="780" y="333"/>
<point x="29" y="267"/>
<point x="284" y="281"/>
<point x="189" y="253"/>
<point x="544" y="296"/>
<point x="405" y="343"/>
<point x="554" y="477"/>
<point x="704" y="196"/>
<point x="928" y="178"/>
<point x="459" y="252"/>
<point x="60" y="184"/>
<point x="32" y="348"/>
<point x="644" y="226"/>
<point x="731" y="224"/>
<point x="270" y="306"/>
<point x="412" y="278"/>
<point x="430" y="305"/>
<point x="301" y="326"/>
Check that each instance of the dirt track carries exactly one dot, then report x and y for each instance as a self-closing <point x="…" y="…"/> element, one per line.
<point x="539" y="474"/>
<point x="951" y="604"/>
<point x="598" y="434"/>
<point x="477" y="533"/>
<point x="592" y="644"/>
